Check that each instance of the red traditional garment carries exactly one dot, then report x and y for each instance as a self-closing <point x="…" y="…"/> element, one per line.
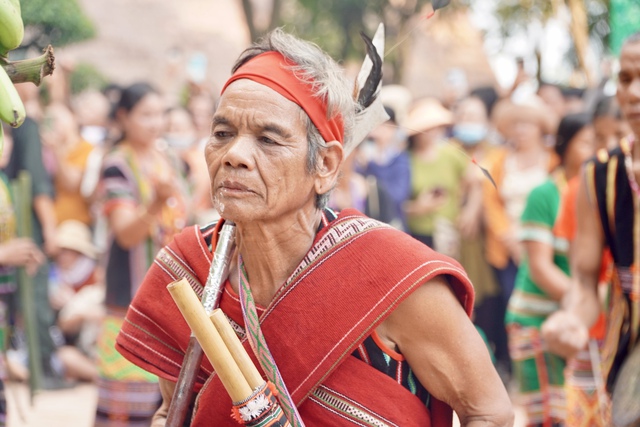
<point x="354" y="276"/>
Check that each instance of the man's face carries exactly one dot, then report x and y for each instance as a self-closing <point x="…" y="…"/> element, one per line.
<point x="629" y="85"/>
<point x="257" y="155"/>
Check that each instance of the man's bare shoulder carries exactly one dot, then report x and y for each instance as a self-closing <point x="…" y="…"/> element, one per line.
<point x="433" y="303"/>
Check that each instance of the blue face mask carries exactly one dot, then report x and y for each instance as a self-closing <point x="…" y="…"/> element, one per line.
<point x="469" y="133"/>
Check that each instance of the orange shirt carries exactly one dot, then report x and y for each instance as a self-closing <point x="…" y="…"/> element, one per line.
<point x="71" y="204"/>
<point x="497" y="221"/>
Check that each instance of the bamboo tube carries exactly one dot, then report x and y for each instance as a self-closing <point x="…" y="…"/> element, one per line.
<point x="23" y="204"/>
<point x="210" y="340"/>
<point x="240" y="355"/>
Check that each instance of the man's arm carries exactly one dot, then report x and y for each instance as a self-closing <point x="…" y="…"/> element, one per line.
<point x="544" y="272"/>
<point x="166" y="389"/>
<point x="443" y="348"/>
<point x="586" y="258"/>
<point x="566" y="331"/>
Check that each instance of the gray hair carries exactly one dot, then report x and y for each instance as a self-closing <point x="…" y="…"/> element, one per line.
<point x="329" y="84"/>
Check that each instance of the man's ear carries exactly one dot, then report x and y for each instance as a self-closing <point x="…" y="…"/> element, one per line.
<point x="329" y="162"/>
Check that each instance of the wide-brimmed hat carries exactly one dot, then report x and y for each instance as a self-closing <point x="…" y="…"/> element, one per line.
<point x="427" y="114"/>
<point x="531" y="108"/>
<point x="75" y="235"/>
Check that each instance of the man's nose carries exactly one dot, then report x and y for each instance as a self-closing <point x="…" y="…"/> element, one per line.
<point x="239" y="153"/>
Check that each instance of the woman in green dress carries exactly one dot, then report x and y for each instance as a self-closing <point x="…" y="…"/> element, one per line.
<point x="543" y="279"/>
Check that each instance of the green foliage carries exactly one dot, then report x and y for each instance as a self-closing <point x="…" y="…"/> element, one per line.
<point x="515" y="15"/>
<point x="86" y="76"/>
<point x="55" y="22"/>
<point x="336" y="24"/>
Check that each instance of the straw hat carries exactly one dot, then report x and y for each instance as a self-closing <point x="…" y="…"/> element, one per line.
<point x="398" y="98"/>
<point x="427" y="114"/>
<point x="75" y="235"/>
<point x="531" y="108"/>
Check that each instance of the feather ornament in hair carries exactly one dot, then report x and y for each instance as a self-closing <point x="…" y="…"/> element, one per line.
<point x="371" y="86"/>
<point x="370" y="112"/>
<point x="369" y="78"/>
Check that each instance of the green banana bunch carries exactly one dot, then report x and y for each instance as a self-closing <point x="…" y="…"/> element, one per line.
<point x="11" y="106"/>
<point x="11" y="26"/>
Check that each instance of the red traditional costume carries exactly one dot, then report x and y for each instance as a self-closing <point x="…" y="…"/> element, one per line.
<point x="356" y="273"/>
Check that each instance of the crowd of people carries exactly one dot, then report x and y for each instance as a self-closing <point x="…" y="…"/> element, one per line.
<point x="489" y="178"/>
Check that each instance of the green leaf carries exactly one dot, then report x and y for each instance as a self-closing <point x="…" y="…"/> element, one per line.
<point x="56" y="22"/>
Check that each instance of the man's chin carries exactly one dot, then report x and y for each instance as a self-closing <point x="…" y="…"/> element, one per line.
<point x="238" y="214"/>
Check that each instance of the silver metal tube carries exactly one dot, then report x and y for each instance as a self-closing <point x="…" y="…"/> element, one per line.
<point x="219" y="270"/>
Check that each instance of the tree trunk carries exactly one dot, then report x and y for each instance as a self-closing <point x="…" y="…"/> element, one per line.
<point x="580" y="34"/>
<point x="275" y="15"/>
<point x="248" y="13"/>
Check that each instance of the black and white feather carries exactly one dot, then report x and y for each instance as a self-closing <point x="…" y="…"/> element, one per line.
<point x="369" y="110"/>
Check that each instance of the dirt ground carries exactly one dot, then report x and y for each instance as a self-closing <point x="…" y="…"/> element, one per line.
<point x="74" y="407"/>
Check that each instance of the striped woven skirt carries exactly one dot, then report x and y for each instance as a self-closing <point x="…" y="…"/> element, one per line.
<point x="586" y="406"/>
<point x="540" y="376"/>
<point x="127" y="395"/>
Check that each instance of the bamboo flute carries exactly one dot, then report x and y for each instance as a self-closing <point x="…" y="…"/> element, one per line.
<point x="254" y="403"/>
<point x="210" y="340"/>
<point x="239" y="354"/>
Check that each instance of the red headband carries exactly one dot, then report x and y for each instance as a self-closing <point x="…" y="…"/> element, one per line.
<point x="273" y="70"/>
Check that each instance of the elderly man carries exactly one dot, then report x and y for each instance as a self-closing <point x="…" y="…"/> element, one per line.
<point x="366" y="325"/>
<point x="608" y="206"/>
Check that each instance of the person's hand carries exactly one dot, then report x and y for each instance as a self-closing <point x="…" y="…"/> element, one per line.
<point x="564" y="334"/>
<point x="426" y="203"/>
<point x="51" y="247"/>
<point x="163" y="189"/>
<point x="468" y="224"/>
<point x="61" y="297"/>
<point x="21" y="252"/>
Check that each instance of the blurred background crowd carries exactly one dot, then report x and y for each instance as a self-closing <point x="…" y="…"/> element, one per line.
<point x="487" y="132"/>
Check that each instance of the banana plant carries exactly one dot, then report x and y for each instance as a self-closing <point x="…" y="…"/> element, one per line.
<point x="29" y="70"/>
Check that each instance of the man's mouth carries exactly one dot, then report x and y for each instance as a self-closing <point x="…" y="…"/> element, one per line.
<point x="233" y="186"/>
